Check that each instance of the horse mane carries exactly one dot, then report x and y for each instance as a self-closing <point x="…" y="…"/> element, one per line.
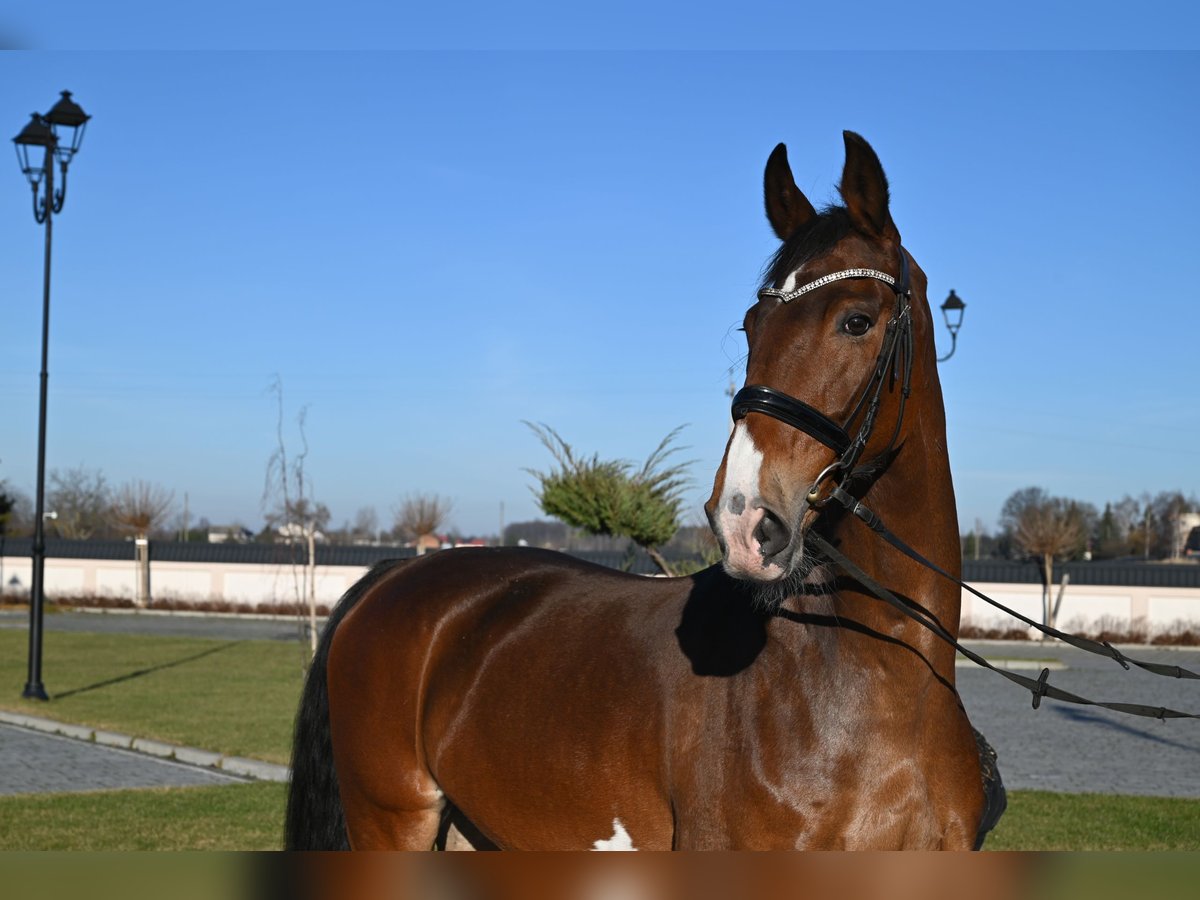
<point x="814" y="238"/>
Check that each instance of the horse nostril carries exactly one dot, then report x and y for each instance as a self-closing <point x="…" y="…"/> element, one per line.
<point x="772" y="535"/>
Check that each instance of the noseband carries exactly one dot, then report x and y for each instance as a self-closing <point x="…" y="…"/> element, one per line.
<point x="893" y="363"/>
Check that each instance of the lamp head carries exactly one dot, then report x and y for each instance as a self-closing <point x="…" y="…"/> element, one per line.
<point x="69" y="121"/>
<point x="35" y="138"/>
<point x="952" y="310"/>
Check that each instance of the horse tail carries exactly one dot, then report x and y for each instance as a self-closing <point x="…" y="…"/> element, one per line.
<point x="314" y="819"/>
<point x="995" y="798"/>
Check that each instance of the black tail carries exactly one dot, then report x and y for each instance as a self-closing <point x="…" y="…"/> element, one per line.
<point x="994" y="796"/>
<point x="314" y="808"/>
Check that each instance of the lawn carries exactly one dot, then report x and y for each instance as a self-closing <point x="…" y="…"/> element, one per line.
<point x="225" y="817"/>
<point x="237" y="698"/>
<point x="250" y="817"/>
<point x="1041" y="820"/>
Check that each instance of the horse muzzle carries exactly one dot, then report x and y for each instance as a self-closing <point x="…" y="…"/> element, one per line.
<point x="760" y="529"/>
<point x="757" y="544"/>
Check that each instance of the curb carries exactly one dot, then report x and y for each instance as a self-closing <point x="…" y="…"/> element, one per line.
<point x="1012" y="665"/>
<point x="191" y="614"/>
<point x="254" y="769"/>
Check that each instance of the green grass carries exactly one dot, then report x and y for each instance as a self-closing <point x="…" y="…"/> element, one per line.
<point x="226" y="817"/>
<point x="1041" y="820"/>
<point x="234" y="697"/>
<point x="250" y="817"/>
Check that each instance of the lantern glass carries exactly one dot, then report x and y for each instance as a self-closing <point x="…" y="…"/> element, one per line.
<point x="32" y="143"/>
<point x="952" y="310"/>
<point x="69" y="122"/>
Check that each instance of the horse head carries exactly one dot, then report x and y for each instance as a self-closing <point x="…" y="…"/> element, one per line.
<point x="840" y="331"/>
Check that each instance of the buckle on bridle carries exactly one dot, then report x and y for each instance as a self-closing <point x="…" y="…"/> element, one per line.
<point x="814" y="492"/>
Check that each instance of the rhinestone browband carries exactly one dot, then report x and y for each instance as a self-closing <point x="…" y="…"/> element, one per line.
<point x="826" y="279"/>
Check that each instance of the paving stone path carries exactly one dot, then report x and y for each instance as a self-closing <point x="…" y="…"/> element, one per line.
<point x="35" y="763"/>
<point x="1064" y="747"/>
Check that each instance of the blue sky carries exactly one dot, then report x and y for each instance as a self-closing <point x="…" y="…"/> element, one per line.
<point x="429" y="246"/>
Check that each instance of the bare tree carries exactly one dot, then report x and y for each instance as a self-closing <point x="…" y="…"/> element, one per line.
<point x="366" y="525"/>
<point x="295" y="514"/>
<point x="418" y="518"/>
<point x="78" y="501"/>
<point x="139" y="508"/>
<point x="1047" y="528"/>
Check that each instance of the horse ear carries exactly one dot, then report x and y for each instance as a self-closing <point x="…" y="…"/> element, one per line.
<point x="787" y="208"/>
<point x="864" y="189"/>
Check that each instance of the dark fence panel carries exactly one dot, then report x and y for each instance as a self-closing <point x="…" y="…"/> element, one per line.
<point x="1132" y="573"/>
<point x="1100" y="572"/>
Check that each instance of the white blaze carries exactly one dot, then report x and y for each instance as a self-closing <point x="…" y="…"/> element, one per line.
<point x="743" y="464"/>
<point x="619" y="841"/>
<point x="740" y="510"/>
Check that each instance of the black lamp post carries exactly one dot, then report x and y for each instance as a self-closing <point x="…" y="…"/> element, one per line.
<point x="55" y="135"/>
<point x="952" y="310"/>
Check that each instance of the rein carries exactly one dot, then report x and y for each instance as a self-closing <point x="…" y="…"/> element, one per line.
<point x="896" y="359"/>
<point x="1039" y="687"/>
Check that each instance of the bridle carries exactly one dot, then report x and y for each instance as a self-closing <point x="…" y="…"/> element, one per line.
<point x="894" y="362"/>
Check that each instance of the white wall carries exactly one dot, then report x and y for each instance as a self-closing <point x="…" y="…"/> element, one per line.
<point x="1084" y="605"/>
<point x="249" y="585"/>
<point x="252" y="585"/>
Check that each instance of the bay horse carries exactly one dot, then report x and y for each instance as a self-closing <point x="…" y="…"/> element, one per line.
<point x="541" y="702"/>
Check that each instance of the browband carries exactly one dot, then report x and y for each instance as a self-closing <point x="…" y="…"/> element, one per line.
<point x="788" y="296"/>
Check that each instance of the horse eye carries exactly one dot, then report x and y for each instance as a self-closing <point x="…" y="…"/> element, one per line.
<point x="857" y="325"/>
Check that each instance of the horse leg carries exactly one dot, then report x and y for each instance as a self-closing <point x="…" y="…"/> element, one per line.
<point x="389" y="799"/>
<point x="372" y="826"/>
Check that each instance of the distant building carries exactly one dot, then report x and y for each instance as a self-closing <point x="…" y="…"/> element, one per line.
<point x="1191" y="547"/>
<point x="294" y="532"/>
<point x="229" y="534"/>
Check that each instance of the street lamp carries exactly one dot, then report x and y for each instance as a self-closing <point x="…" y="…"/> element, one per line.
<point x="57" y="135"/>
<point x="952" y="310"/>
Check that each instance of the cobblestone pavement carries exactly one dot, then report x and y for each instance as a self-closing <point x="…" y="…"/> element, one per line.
<point x="35" y="763"/>
<point x="1070" y="748"/>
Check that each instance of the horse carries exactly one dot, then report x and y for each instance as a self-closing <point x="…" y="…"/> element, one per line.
<point x="537" y="701"/>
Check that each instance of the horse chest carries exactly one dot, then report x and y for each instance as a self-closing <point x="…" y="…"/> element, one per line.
<point x="823" y="764"/>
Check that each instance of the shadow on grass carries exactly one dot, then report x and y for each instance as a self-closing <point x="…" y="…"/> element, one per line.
<point x="148" y="671"/>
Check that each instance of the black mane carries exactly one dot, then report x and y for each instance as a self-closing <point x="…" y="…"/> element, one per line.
<point x="815" y="238"/>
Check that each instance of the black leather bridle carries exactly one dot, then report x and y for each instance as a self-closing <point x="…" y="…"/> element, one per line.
<point x="893" y="363"/>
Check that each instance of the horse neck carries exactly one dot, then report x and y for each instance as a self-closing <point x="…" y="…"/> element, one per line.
<point x="914" y="498"/>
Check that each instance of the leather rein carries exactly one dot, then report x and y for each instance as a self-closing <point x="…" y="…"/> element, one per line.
<point x="894" y="364"/>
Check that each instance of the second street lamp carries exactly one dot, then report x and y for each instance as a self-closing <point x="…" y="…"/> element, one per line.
<point x="952" y="311"/>
<point x="54" y="136"/>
